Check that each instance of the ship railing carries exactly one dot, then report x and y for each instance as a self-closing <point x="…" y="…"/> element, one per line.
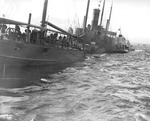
<point x="40" y="39"/>
<point x="121" y="46"/>
<point x="66" y="43"/>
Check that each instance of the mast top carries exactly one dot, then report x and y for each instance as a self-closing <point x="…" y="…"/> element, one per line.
<point x="102" y="13"/>
<point x="85" y="20"/>
<point x="44" y="13"/>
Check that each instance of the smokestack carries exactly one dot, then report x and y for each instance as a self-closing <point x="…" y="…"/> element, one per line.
<point x="95" y="18"/>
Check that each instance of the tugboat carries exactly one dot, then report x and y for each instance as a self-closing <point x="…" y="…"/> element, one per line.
<point x="41" y="46"/>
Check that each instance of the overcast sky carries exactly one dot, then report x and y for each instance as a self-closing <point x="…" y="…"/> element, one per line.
<point x="132" y="16"/>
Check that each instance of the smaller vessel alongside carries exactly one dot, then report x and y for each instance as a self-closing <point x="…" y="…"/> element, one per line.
<point x="118" y="44"/>
<point x="114" y="43"/>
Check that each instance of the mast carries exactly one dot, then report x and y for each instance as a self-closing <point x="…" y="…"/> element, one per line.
<point x="110" y="11"/>
<point x="29" y="21"/>
<point x="108" y="21"/>
<point x="28" y="29"/>
<point x="44" y="13"/>
<point x="102" y="13"/>
<point x="85" y="18"/>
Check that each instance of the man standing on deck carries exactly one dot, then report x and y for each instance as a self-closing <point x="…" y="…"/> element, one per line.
<point x="3" y="29"/>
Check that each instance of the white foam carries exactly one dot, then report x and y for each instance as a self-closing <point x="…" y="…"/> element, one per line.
<point x="139" y="50"/>
<point x="44" y="80"/>
<point x="6" y="116"/>
<point x="140" y="117"/>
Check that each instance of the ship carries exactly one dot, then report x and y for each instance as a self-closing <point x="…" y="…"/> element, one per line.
<point x="35" y="47"/>
<point x="119" y="44"/>
<point x="99" y="39"/>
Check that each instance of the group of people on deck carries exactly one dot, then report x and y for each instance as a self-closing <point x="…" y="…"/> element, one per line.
<point x="10" y="31"/>
<point x="60" y="40"/>
<point x="55" y="39"/>
<point x="41" y="37"/>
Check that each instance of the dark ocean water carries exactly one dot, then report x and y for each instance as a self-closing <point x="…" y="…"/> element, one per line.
<point x="109" y="87"/>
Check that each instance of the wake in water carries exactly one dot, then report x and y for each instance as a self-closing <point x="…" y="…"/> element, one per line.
<point x="112" y="87"/>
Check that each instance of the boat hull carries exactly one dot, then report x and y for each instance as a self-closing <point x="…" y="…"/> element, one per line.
<point x="118" y="51"/>
<point x="19" y="56"/>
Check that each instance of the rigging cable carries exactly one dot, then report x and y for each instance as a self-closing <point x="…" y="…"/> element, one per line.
<point x="9" y="8"/>
<point x="10" y="11"/>
<point x="70" y="25"/>
<point x="76" y="18"/>
<point x="3" y="7"/>
<point x="2" y="4"/>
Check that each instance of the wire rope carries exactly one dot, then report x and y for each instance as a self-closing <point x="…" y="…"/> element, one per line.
<point x="3" y="4"/>
<point x="9" y="8"/>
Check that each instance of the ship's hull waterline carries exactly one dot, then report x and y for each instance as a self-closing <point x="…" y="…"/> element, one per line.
<point x="19" y="54"/>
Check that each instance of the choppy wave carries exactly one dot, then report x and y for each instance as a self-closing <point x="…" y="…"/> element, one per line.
<point x="112" y="87"/>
